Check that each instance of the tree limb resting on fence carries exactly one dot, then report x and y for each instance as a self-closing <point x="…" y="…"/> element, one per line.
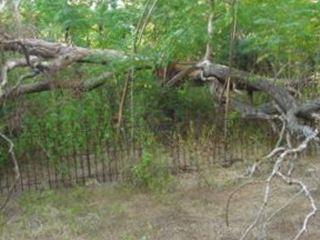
<point x="49" y="58"/>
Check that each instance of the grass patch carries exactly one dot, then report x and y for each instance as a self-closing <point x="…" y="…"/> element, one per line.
<point x="194" y="210"/>
<point x="63" y="214"/>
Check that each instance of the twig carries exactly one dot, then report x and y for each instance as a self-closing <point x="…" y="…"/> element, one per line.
<point x="208" y="54"/>
<point x="294" y="158"/>
<point x="277" y="149"/>
<point x="143" y="26"/>
<point x="228" y="82"/>
<point x="123" y="100"/>
<point x="15" y="169"/>
<point x="282" y="132"/>
<point x="265" y="200"/>
<point x="176" y="78"/>
<point x="233" y="193"/>
<point x="284" y="206"/>
<point x="308" y="195"/>
<point x="276" y="172"/>
<point x="136" y="41"/>
<point x="274" y="152"/>
<point x="12" y="64"/>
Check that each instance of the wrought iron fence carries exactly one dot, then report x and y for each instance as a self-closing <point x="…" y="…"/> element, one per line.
<point x="108" y="161"/>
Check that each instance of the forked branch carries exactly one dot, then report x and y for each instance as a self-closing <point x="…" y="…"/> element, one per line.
<point x="15" y="169"/>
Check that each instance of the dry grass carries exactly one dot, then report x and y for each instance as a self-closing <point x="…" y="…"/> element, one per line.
<point x="193" y="209"/>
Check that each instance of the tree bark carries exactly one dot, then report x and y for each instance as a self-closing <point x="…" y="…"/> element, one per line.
<point x="49" y="58"/>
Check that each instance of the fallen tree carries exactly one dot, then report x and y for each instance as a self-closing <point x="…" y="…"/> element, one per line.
<point x="46" y="59"/>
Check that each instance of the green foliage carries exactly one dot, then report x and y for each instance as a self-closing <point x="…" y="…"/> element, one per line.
<point x="152" y="170"/>
<point x="68" y="123"/>
<point x="270" y="35"/>
<point x="141" y="172"/>
<point x="285" y="31"/>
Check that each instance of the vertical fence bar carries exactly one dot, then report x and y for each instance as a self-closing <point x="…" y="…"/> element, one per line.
<point x="45" y="155"/>
<point x="119" y="160"/>
<point x="68" y="158"/>
<point x="95" y="148"/>
<point x="88" y="153"/>
<point x="103" y="159"/>
<point x="34" y="162"/>
<point x="178" y="155"/>
<point x="70" y="168"/>
<point x="12" y="174"/>
<point x="134" y="152"/>
<point x="114" y="161"/>
<point x="7" y="177"/>
<point x="61" y="167"/>
<point x="56" y="170"/>
<point x="35" y="172"/>
<point x="75" y="165"/>
<point x="47" y="162"/>
<point x="1" y="177"/>
<point x="41" y="163"/>
<point x="109" y="157"/>
<point x="28" y="170"/>
<point x="124" y="159"/>
<point x="82" y="160"/>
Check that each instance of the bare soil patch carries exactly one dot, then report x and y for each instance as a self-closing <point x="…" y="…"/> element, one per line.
<point x="193" y="209"/>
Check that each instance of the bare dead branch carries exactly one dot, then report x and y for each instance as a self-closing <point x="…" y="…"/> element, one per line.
<point x="49" y="85"/>
<point x="10" y="65"/>
<point x="208" y="54"/>
<point x="57" y="56"/>
<point x="293" y="158"/>
<point x="50" y="50"/>
<point x="233" y="193"/>
<point x="308" y="195"/>
<point x="281" y="135"/>
<point x="145" y="21"/>
<point x="276" y="172"/>
<point x="179" y="76"/>
<point x="15" y="169"/>
<point x="123" y="100"/>
<point x="287" y="204"/>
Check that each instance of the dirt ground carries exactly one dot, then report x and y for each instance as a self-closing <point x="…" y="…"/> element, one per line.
<point x="191" y="208"/>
